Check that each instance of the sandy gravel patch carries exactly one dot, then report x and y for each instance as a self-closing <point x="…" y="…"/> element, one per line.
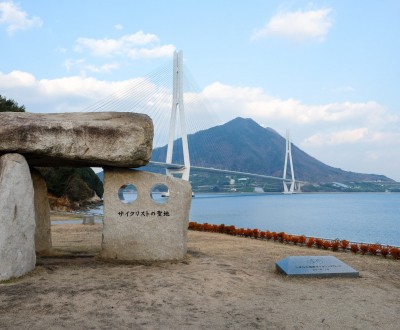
<point x="224" y="283"/>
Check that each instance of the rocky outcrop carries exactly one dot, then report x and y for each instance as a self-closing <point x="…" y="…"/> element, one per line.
<point x="120" y="139"/>
<point x="79" y="185"/>
<point x="17" y="217"/>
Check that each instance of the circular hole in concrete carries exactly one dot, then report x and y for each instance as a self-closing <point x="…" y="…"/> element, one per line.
<point x="127" y="193"/>
<point x="159" y="193"/>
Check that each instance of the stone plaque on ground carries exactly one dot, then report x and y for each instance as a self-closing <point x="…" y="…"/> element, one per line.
<point x="319" y="266"/>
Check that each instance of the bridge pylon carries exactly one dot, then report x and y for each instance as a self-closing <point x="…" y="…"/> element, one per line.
<point x="178" y="106"/>
<point x="293" y="185"/>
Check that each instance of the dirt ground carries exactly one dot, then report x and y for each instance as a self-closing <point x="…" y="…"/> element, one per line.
<point x="224" y="283"/>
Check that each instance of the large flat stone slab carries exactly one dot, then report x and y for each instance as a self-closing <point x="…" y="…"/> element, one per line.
<point x="121" y="139"/>
<point x="319" y="266"/>
<point x="17" y="217"/>
<point x="146" y="228"/>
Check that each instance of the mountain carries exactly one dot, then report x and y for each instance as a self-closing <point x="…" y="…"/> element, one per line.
<point x="243" y="145"/>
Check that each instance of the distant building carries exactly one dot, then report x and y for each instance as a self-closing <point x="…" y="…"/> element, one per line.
<point x="340" y="185"/>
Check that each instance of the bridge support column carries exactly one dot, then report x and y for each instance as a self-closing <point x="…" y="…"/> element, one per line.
<point x="292" y="188"/>
<point x="177" y="105"/>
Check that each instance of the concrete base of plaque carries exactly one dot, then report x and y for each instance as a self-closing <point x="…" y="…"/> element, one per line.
<point x="318" y="266"/>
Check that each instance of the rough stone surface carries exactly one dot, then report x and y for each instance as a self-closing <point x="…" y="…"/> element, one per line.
<point x="320" y="266"/>
<point x="144" y="230"/>
<point x="17" y="217"/>
<point x="42" y="214"/>
<point x="121" y="139"/>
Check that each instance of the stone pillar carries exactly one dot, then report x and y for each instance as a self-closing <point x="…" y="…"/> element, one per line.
<point x="17" y="217"/>
<point x="149" y="228"/>
<point x="42" y="214"/>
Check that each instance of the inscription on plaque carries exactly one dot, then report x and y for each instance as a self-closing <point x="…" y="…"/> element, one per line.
<point x="146" y="213"/>
<point x="320" y="266"/>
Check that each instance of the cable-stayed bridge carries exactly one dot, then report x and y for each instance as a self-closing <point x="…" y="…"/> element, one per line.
<point x="178" y="109"/>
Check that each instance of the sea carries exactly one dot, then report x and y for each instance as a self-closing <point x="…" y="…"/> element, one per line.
<point x="356" y="217"/>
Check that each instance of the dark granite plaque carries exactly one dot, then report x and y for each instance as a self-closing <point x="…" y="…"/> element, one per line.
<point x="319" y="266"/>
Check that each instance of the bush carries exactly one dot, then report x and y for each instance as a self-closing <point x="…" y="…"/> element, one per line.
<point x="240" y="232"/>
<point x="395" y="253"/>
<point x="255" y="233"/>
<point x="335" y="245"/>
<point x="295" y="240"/>
<point x="364" y="248"/>
<point x="310" y="242"/>
<point x="344" y="244"/>
<point x="318" y="243"/>
<point x="326" y="245"/>
<point x="384" y="251"/>
<point x="231" y="230"/>
<point x="248" y="233"/>
<point x="373" y="249"/>
<point x="281" y="236"/>
<point x="302" y="239"/>
<point x="221" y="228"/>
<point x="354" y="248"/>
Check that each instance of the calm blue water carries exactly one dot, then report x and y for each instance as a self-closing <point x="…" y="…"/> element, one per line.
<point x="357" y="217"/>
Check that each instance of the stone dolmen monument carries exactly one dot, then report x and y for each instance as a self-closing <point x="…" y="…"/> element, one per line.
<point x="145" y="229"/>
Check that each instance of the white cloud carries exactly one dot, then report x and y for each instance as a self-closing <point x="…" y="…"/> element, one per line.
<point x="118" y="27"/>
<point x="343" y="89"/>
<point x="108" y="67"/>
<point x="361" y="137"/>
<point x="335" y="138"/>
<point x="72" y="93"/>
<point x="121" y="51"/>
<point x="15" y="19"/>
<point x="254" y="102"/>
<point x="85" y="68"/>
<point x="135" y="45"/>
<point x="99" y="47"/>
<point x="162" y="51"/>
<point x="298" y="25"/>
<point x="17" y="79"/>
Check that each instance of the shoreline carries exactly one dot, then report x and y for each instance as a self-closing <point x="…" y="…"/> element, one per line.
<point x="58" y="217"/>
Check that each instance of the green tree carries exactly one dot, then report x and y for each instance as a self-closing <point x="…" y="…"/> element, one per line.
<point x="7" y="105"/>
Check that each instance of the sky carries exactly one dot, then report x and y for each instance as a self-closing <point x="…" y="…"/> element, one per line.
<point x="326" y="70"/>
